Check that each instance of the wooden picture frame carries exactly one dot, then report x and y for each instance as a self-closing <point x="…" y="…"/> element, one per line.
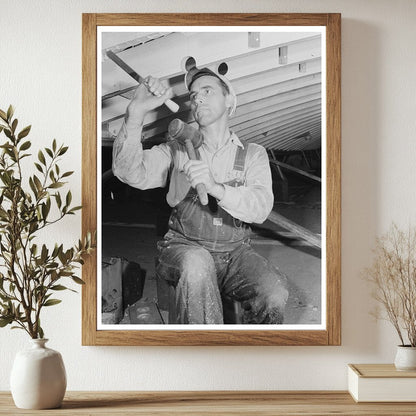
<point x="331" y="333"/>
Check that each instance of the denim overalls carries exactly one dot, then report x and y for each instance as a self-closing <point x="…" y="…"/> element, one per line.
<point x="206" y="255"/>
<point x="210" y="225"/>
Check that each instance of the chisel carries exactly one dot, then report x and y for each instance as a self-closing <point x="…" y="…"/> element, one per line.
<point x="118" y="61"/>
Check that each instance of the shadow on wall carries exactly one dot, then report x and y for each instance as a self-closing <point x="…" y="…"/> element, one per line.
<point x="361" y="115"/>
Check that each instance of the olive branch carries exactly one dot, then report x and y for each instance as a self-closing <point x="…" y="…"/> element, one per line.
<point x="30" y="272"/>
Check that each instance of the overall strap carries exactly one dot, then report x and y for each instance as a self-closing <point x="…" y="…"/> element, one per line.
<point x="240" y="157"/>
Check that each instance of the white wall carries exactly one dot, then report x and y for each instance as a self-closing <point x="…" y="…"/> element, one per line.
<point x="40" y="73"/>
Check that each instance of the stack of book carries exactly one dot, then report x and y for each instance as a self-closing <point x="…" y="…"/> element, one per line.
<point x="381" y="383"/>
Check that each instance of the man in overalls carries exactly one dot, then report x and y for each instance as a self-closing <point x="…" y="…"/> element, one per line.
<point x="206" y="254"/>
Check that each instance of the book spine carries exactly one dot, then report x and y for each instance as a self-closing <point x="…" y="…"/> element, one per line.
<point x="353" y="381"/>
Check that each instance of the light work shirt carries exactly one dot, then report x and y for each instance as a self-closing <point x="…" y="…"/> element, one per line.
<point x="150" y="168"/>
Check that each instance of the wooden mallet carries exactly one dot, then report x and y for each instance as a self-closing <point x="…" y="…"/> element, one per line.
<point x="192" y="139"/>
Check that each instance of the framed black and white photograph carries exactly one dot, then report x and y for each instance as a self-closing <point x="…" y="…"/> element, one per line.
<point x="211" y="172"/>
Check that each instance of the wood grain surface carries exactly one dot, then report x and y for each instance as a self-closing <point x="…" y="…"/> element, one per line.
<point x="265" y="403"/>
<point x="332" y="334"/>
<point x="380" y="371"/>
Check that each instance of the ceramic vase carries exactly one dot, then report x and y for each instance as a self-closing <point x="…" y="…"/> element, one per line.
<point x="405" y="358"/>
<point x="38" y="377"/>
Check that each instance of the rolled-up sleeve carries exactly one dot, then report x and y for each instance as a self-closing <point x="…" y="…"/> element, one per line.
<point x="143" y="169"/>
<point x="252" y="202"/>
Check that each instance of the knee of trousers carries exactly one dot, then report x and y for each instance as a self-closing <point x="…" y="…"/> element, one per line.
<point x="197" y="267"/>
<point x="268" y="302"/>
<point x="273" y="292"/>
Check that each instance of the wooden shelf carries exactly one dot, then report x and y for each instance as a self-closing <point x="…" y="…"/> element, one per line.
<point x="211" y="403"/>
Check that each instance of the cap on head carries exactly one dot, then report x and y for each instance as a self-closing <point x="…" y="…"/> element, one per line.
<point x="193" y="73"/>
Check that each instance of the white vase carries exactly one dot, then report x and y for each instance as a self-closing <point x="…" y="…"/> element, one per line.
<point x="405" y="358"/>
<point x="38" y="377"/>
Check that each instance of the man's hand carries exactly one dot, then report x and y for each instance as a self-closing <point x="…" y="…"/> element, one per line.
<point x="148" y="96"/>
<point x="198" y="172"/>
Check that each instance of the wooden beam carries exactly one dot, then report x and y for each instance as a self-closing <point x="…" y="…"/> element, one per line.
<point x="263" y="107"/>
<point x="297" y="127"/>
<point x="241" y="68"/>
<point x="257" y="108"/>
<point x="302" y="146"/>
<point x="272" y="95"/>
<point x="291" y="129"/>
<point x="270" y="114"/>
<point x="276" y="91"/>
<point x="296" y="143"/>
<point x="160" y="127"/>
<point x="272" y="121"/>
<point x="279" y="92"/>
<point x="296" y="229"/>
<point x="164" y="55"/>
<point x="118" y="92"/>
<point x="292" y="136"/>
<point x="286" y="141"/>
<point x="290" y="73"/>
<point x="296" y="170"/>
<point x="260" y="123"/>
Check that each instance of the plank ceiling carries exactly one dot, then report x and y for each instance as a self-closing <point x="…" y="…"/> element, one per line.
<point x="277" y="80"/>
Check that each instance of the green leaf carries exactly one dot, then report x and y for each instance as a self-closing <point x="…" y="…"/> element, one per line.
<point x="54" y="145"/>
<point x="6" y="145"/>
<point x="25" y="145"/>
<point x="56" y="185"/>
<point x="63" y="150"/>
<point x="39" y="167"/>
<point x="59" y="287"/>
<point x="49" y="152"/>
<point x="8" y="133"/>
<point x="41" y="157"/>
<point x="34" y="249"/>
<point x="65" y="274"/>
<point x="67" y="174"/>
<point x="58" y="199"/>
<point x="3" y="115"/>
<point x="72" y="211"/>
<point x="55" y="251"/>
<point x="37" y="183"/>
<point x="5" y="321"/>
<point x="24" y="132"/>
<point x="10" y="113"/>
<point x="68" y="198"/>
<point x="45" y="211"/>
<point x="54" y="276"/>
<point x="40" y="331"/>
<point x="43" y="254"/>
<point x="77" y="280"/>
<point x="3" y="214"/>
<point x="62" y="257"/>
<point x="51" y="302"/>
<point x="14" y="125"/>
<point x="33" y="187"/>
